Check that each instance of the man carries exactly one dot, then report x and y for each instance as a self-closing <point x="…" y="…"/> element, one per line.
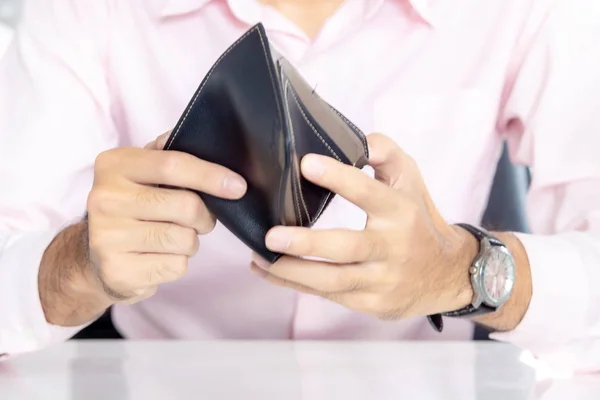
<point x="88" y="85"/>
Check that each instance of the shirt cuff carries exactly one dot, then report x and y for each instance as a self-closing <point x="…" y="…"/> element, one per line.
<point x="23" y="326"/>
<point x="556" y="313"/>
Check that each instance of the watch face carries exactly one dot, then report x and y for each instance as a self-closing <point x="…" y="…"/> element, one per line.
<point x="498" y="274"/>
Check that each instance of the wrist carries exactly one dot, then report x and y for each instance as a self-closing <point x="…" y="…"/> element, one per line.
<point x="458" y="287"/>
<point x="69" y="292"/>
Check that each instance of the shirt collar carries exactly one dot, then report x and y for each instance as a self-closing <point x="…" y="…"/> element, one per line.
<point x="425" y="9"/>
<point x="173" y="8"/>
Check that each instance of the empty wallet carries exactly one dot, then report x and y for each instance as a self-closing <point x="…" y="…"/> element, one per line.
<point x="254" y="114"/>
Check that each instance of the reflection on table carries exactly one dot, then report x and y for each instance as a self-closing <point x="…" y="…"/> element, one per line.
<point x="127" y="370"/>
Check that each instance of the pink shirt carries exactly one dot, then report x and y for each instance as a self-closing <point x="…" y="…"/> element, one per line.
<point x="5" y="37"/>
<point x="448" y="80"/>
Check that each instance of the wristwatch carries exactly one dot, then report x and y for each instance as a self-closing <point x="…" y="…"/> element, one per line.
<point x="492" y="275"/>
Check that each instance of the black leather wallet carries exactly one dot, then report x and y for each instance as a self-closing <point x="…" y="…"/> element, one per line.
<point x="254" y="114"/>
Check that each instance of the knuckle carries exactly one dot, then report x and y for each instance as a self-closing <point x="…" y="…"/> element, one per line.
<point x="110" y="271"/>
<point x="192" y="208"/>
<point x="354" y="284"/>
<point x="209" y="224"/>
<point x="104" y="161"/>
<point x="159" y="236"/>
<point x="372" y="248"/>
<point x="96" y="239"/>
<point x="343" y="282"/>
<point x="169" y="163"/>
<point x="190" y="242"/>
<point x="142" y="294"/>
<point x="103" y="238"/>
<point x="380" y="307"/>
<point x="98" y="198"/>
<point x="376" y="304"/>
<point x="150" y="196"/>
<point x="169" y="271"/>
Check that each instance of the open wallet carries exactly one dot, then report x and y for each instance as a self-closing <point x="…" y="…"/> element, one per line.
<point x="254" y="114"/>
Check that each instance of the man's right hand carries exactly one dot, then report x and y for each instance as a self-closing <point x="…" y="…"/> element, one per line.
<point x="142" y="229"/>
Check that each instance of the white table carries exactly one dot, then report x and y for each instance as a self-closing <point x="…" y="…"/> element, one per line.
<point x="129" y="370"/>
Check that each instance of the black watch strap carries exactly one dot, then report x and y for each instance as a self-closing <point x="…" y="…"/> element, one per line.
<point x="436" y="320"/>
<point x="481" y="234"/>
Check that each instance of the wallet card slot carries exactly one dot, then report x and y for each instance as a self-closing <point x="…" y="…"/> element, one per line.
<point x="319" y="197"/>
<point x="294" y="168"/>
<point x="348" y="138"/>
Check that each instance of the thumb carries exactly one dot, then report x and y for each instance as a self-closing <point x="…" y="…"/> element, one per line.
<point x="159" y="142"/>
<point x="392" y="165"/>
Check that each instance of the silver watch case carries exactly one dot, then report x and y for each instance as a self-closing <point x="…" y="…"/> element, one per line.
<point x="486" y="252"/>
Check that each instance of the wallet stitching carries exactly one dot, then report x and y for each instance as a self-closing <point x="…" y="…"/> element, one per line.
<point x="216" y="64"/>
<point x="346" y="120"/>
<point x="312" y="126"/>
<point x="322" y="207"/>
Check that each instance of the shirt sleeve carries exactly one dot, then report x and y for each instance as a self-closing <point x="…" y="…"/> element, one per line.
<point x="551" y="118"/>
<point x="55" y="118"/>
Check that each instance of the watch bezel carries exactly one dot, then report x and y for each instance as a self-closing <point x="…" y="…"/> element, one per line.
<point x="478" y="273"/>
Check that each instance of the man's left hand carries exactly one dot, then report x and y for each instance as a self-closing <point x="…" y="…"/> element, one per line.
<point x="406" y="262"/>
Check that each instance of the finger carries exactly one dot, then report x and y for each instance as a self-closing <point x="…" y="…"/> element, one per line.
<point x="349" y="182"/>
<point x="172" y="168"/>
<point x="140" y="295"/>
<point x="147" y="203"/>
<point x="355" y="300"/>
<point x="149" y="270"/>
<point x="159" y="142"/>
<point x="392" y="165"/>
<point x="319" y="276"/>
<point x="165" y="238"/>
<point x="398" y="170"/>
<point x="337" y="245"/>
<point x="181" y="207"/>
<point x="148" y="237"/>
<point x="162" y="140"/>
<point x="134" y="275"/>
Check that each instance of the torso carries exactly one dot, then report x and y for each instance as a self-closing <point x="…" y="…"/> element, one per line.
<point x="435" y="90"/>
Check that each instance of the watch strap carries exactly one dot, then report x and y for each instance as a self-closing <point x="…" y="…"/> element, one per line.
<point x="469" y="311"/>
<point x="437" y="321"/>
<point x="481" y="234"/>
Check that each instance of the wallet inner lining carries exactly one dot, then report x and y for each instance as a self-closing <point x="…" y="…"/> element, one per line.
<point x="349" y="141"/>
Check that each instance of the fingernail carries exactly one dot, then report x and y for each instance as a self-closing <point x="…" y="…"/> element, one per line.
<point x="312" y="166"/>
<point x="278" y="240"/>
<point x="259" y="261"/>
<point x="162" y="140"/>
<point x="235" y="185"/>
